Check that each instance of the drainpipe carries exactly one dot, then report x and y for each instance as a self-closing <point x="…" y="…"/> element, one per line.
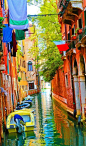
<point x="73" y="87"/>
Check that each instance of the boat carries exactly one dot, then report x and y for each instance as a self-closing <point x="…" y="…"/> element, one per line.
<point x="29" y="98"/>
<point x="26" y="109"/>
<point x="23" y="105"/>
<point x="27" y="101"/>
<point x="28" y="118"/>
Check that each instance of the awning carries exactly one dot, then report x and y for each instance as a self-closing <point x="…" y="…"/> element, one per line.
<point x="77" y="4"/>
<point x="61" y="45"/>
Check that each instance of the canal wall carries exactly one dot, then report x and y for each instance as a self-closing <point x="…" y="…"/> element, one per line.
<point x="30" y="92"/>
<point x="63" y="103"/>
<point x="62" y="89"/>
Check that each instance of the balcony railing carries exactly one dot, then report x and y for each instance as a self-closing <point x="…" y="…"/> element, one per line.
<point x="62" y="2"/>
<point x="71" y="45"/>
<point x="73" y="7"/>
<point x="81" y="37"/>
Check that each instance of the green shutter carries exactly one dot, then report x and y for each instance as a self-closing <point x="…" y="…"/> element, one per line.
<point x="85" y="17"/>
<point x="0" y="45"/>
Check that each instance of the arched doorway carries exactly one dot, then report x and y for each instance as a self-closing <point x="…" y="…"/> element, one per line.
<point x="76" y="87"/>
<point x="82" y="84"/>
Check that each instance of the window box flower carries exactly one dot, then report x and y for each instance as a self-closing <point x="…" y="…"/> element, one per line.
<point x="73" y="37"/>
<point x="78" y="30"/>
<point x="19" y="79"/>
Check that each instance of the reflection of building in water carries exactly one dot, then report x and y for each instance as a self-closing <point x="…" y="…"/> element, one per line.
<point x="15" y="139"/>
<point x="43" y="84"/>
<point x="69" y="131"/>
<point x="37" y="117"/>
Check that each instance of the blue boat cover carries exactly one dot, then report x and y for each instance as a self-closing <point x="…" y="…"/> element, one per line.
<point x="18" y="117"/>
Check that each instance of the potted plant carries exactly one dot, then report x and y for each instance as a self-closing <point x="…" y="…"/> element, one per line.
<point x="73" y="37"/>
<point x="17" y="71"/>
<point x="19" y="78"/>
<point x="78" y="30"/>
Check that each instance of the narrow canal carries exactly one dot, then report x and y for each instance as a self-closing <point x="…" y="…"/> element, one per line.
<point x="54" y="127"/>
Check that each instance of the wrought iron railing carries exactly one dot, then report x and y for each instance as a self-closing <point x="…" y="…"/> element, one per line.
<point x="71" y="45"/>
<point x="62" y="3"/>
<point x="80" y="36"/>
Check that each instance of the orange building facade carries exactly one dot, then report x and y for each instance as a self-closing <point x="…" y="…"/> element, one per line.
<point x="8" y="78"/>
<point x="30" y="61"/>
<point x="69" y="83"/>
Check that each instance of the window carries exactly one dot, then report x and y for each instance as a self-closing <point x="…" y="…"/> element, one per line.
<point x="30" y="66"/>
<point x="26" y="87"/>
<point x="66" y="77"/>
<point x="31" y="86"/>
<point x="72" y="31"/>
<point x="23" y="87"/>
<point x="23" y="64"/>
<point x="85" y="16"/>
<point x="80" y="23"/>
<point x="68" y="36"/>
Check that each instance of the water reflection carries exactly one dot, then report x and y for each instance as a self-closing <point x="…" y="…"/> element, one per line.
<point x="54" y="127"/>
<point x="15" y="139"/>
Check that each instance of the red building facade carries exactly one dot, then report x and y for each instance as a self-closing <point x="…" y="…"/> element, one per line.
<point x="8" y="77"/>
<point x="69" y="83"/>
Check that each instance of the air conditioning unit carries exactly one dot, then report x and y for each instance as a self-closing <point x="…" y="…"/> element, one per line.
<point x="64" y="53"/>
<point x="2" y="67"/>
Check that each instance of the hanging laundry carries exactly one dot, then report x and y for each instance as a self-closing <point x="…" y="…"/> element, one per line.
<point x="5" y="56"/>
<point x="25" y="29"/>
<point x="14" y="41"/>
<point x="20" y="35"/>
<point x="18" y="14"/>
<point x="8" y="63"/>
<point x="7" y="34"/>
<point x="13" y="45"/>
<point x="3" y="8"/>
<point x="3" y="91"/>
<point x="9" y="47"/>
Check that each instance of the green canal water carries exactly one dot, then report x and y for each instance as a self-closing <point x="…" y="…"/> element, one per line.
<point x="53" y="126"/>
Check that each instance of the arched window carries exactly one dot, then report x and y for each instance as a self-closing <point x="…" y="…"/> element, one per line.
<point x="30" y="66"/>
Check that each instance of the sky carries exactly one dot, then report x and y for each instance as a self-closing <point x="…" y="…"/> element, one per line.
<point x="33" y="9"/>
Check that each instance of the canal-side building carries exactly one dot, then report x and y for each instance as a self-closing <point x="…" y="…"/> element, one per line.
<point x="21" y="71"/>
<point x="31" y="73"/>
<point x="43" y="84"/>
<point x="8" y="70"/>
<point x="69" y="83"/>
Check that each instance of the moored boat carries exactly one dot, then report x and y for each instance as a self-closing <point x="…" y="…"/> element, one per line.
<point x="27" y="101"/>
<point x="28" y="118"/>
<point x="23" y="105"/>
<point x="29" y="98"/>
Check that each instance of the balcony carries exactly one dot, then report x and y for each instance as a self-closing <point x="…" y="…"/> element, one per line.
<point x="72" y="48"/>
<point x="81" y="38"/>
<point x="70" y="10"/>
<point x="62" y="2"/>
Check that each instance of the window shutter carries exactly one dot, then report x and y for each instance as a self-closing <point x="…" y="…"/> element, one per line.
<point x="85" y="17"/>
